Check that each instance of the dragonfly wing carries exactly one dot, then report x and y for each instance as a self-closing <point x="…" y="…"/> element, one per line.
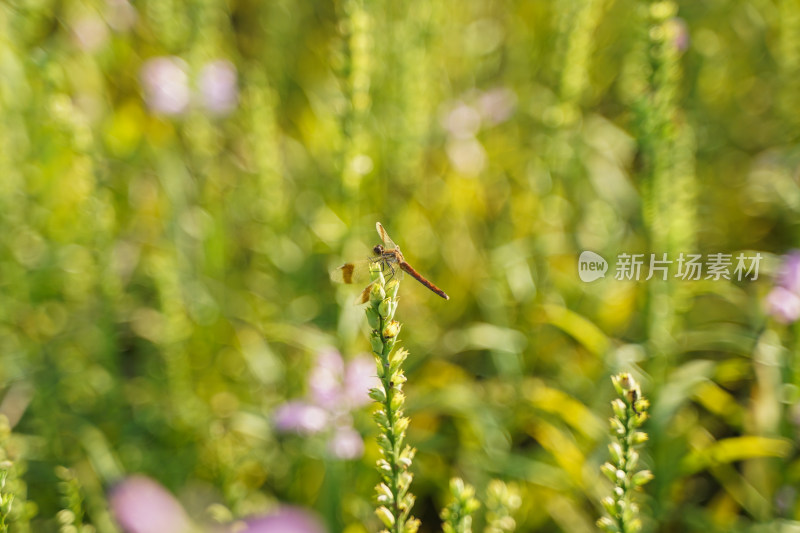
<point x="349" y="273"/>
<point x="363" y="297"/>
<point x="390" y="245"/>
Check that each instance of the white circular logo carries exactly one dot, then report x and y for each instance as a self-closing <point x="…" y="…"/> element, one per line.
<point x="591" y="266"/>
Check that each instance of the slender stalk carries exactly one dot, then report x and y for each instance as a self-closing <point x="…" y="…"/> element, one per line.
<point x="457" y="517"/>
<point x="502" y="501"/>
<point x="630" y="412"/>
<point x="393" y="496"/>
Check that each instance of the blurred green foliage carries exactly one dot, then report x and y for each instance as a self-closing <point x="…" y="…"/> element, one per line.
<point x="164" y="276"/>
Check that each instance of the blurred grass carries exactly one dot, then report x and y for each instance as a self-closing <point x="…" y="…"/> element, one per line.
<point x="164" y="278"/>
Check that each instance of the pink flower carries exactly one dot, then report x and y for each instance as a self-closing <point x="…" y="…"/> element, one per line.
<point x="285" y="520"/>
<point x="783" y="301"/>
<point x="789" y="274"/>
<point x="218" y="89"/>
<point x="359" y="378"/>
<point x="165" y="82"/>
<point x="301" y="417"/>
<point x="325" y="379"/>
<point x="783" y="304"/>
<point x="141" y="505"/>
<point x="680" y="34"/>
<point x="341" y="387"/>
<point x="346" y="443"/>
<point x="335" y="389"/>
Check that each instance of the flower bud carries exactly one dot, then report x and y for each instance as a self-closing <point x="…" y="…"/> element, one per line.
<point x="642" y="477"/>
<point x="385" y="307"/>
<point x="626" y="381"/>
<point x="385" y="444"/>
<point x="376" y="293"/>
<point x="620" y="410"/>
<point x="641" y="405"/>
<point x="397" y="400"/>
<point x="616" y="452"/>
<point x="639" y="437"/>
<point x="606" y="524"/>
<point x="391" y="330"/>
<point x="610" y="505"/>
<point x="401" y="425"/>
<point x="376" y="343"/>
<point x="373" y="319"/>
<point x="616" y="426"/>
<point x="633" y="460"/>
<point x="391" y="288"/>
<point x="384" y="493"/>
<point x="377" y="395"/>
<point x="380" y="418"/>
<point x="610" y="471"/>
<point x="386" y="516"/>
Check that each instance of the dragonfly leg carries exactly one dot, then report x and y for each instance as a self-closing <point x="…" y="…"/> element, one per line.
<point x="384" y="265"/>
<point x="391" y="267"/>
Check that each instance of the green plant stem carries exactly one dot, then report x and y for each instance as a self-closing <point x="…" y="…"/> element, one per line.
<point x="388" y="391"/>
<point x="394" y="500"/>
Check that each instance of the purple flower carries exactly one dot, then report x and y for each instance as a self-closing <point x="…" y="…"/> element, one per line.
<point x="218" y="88"/>
<point x="359" y="378"/>
<point x="325" y="380"/>
<point x="784" y="305"/>
<point x="789" y="274"/>
<point x="141" y="505"/>
<point x="346" y="443"/>
<point x="680" y="34"/>
<point x="301" y="417"/>
<point x="165" y="82"/>
<point x="340" y="387"/>
<point x="285" y="520"/>
<point x="335" y="389"/>
<point x="783" y="301"/>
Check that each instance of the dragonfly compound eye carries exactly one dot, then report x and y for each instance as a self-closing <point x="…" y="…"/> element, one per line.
<point x="388" y="257"/>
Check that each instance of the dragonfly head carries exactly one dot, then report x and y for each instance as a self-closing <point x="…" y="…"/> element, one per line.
<point x="378" y="250"/>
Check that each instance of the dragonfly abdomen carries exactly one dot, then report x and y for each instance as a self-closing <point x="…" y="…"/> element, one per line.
<point x="417" y="276"/>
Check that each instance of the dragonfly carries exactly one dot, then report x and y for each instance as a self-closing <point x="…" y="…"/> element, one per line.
<point x="390" y="257"/>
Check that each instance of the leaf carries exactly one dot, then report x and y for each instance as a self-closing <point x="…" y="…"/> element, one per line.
<point x="679" y="389"/>
<point x="735" y="449"/>
<point x="579" y="328"/>
<point x="565" y="406"/>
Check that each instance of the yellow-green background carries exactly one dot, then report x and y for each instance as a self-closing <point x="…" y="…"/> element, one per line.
<point x="164" y="280"/>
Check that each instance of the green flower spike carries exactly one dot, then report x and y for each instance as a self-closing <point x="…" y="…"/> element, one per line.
<point x="502" y="501"/>
<point x="630" y="412"/>
<point x="457" y="517"/>
<point x="392" y="494"/>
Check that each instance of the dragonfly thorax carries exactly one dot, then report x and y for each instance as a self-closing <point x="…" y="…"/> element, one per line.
<point x="388" y="257"/>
